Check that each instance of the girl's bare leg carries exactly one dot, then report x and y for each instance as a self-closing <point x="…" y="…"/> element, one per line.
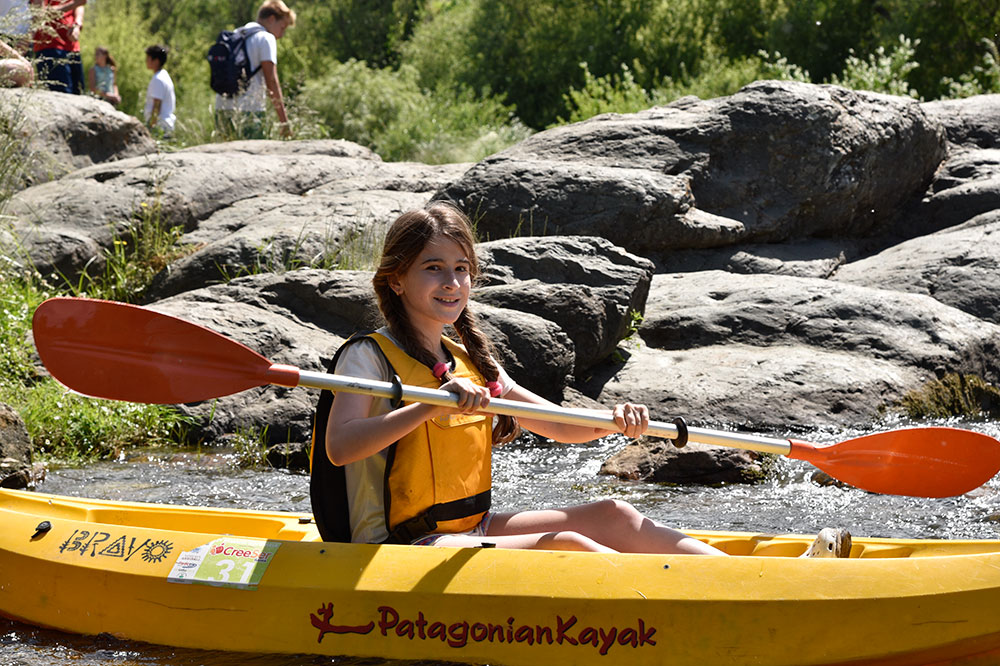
<point x="605" y="526"/>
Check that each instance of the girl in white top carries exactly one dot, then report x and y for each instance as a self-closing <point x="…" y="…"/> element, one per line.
<point x="422" y="285"/>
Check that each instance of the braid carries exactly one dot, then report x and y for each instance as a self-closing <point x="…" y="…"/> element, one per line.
<point x="481" y="352"/>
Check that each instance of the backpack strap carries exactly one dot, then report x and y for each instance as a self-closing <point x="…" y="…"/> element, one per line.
<point x="327" y="482"/>
<point x="247" y="33"/>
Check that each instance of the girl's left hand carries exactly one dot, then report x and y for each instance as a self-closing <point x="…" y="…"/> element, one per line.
<point x="632" y="420"/>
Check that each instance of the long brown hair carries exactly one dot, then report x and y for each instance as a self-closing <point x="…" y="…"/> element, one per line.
<point x="404" y="242"/>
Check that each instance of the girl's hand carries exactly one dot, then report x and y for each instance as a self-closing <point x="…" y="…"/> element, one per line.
<point x="471" y="397"/>
<point x="632" y="420"/>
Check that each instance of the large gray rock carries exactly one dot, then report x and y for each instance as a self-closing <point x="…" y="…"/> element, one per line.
<point x="64" y="225"/>
<point x="590" y="288"/>
<point x="959" y="266"/>
<point x="62" y="133"/>
<point x="777" y="160"/>
<point x="273" y="233"/>
<point x="771" y="351"/>
<point x="970" y="122"/>
<point x="658" y="461"/>
<point x="15" y="450"/>
<point x="966" y="185"/>
<point x="691" y="310"/>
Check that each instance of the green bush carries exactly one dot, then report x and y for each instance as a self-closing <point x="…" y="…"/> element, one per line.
<point x="387" y="111"/>
<point x="880" y="71"/>
<point x="984" y="78"/>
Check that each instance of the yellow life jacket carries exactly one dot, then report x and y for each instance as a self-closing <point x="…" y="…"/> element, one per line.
<point x="439" y="476"/>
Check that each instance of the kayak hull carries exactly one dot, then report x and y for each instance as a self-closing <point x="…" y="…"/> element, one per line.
<point x="255" y="581"/>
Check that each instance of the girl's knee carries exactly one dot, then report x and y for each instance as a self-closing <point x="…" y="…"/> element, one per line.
<point x="618" y="511"/>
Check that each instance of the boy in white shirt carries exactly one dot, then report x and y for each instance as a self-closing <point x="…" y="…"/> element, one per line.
<point x="243" y="115"/>
<point x="160" y="99"/>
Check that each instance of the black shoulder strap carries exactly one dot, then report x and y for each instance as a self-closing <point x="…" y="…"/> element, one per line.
<point x="327" y="482"/>
<point x="245" y="33"/>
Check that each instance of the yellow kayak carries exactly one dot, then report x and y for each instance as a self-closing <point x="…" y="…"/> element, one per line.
<point x="257" y="581"/>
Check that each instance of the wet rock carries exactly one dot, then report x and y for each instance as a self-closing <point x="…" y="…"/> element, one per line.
<point x="658" y="461"/>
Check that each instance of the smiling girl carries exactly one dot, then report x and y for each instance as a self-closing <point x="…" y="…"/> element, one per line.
<point x="418" y="473"/>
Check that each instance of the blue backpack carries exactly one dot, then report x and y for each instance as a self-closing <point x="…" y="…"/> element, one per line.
<point x="229" y="61"/>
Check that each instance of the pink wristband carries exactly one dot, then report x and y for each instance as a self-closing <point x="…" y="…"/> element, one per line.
<point x="495" y="389"/>
<point x="439" y="369"/>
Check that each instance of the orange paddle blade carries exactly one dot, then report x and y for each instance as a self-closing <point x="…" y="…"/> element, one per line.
<point x="920" y="462"/>
<point x="123" y="352"/>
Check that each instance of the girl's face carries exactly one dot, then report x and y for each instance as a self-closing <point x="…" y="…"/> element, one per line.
<point x="435" y="288"/>
<point x="100" y="59"/>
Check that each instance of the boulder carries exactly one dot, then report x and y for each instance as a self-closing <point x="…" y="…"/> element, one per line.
<point x="15" y="450"/>
<point x="658" y="461"/>
<point x="972" y="122"/>
<point x="691" y="310"/>
<point x="777" y="160"/>
<point x="593" y="290"/>
<point x="958" y="266"/>
<point x="779" y="352"/>
<point x="273" y="233"/>
<point x="967" y="185"/>
<point x="64" y="225"/>
<point x="61" y="133"/>
<point x="817" y="258"/>
<point x="781" y="387"/>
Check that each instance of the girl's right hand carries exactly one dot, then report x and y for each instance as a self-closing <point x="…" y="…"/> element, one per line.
<point x="471" y="397"/>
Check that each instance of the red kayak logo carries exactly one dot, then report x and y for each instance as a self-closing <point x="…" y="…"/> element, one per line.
<point x="323" y="624"/>
<point x="562" y="631"/>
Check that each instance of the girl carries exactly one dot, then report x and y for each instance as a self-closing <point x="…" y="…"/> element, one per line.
<point x="419" y="473"/>
<point x="101" y="77"/>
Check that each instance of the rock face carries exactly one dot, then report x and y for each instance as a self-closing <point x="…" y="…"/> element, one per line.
<point x="776" y="161"/>
<point x="15" y="450"/>
<point x="62" y="133"/>
<point x="660" y="462"/>
<point x="789" y="256"/>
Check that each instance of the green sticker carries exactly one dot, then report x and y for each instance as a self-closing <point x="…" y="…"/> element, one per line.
<point x="225" y="562"/>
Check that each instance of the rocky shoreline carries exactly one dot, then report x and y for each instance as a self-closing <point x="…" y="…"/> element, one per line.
<point x="793" y="255"/>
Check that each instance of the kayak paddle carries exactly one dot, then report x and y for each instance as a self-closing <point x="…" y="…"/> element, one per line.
<point x="125" y="352"/>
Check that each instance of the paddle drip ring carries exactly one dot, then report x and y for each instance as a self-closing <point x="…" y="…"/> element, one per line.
<point x="682" y="433"/>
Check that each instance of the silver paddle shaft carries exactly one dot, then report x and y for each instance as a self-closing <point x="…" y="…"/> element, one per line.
<point x="550" y="413"/>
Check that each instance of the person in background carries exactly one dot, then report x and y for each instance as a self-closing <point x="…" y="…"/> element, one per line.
<point x="244" y="115"/>
<point x="15" y="70"/>
<point x="57" y="46"/>
<point x="101" y="77"/>
<point x="160" y="99"/>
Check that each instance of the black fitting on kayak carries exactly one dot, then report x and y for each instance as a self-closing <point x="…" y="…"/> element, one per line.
<point x="397" y="391"/>
<point x="682" y="433"/>
<point x="42" y="528"/>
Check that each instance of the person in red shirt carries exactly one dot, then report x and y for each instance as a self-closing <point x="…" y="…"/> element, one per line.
<point x="57" y="46"/>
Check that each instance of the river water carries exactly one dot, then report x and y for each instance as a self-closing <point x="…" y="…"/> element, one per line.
<point x="525" y="476"/>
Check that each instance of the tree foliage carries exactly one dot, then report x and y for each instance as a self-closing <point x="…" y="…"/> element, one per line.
<point x="430" y="63"/>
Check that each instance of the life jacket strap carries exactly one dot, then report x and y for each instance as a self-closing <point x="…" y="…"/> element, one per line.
<point x="410" y="530"/>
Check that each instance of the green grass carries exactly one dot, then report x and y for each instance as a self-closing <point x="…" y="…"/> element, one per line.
<point x="64" y="425"/>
